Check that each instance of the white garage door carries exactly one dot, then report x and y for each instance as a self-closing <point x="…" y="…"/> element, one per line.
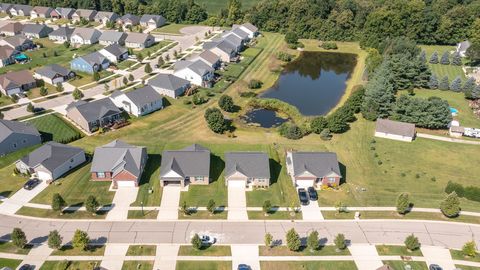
<point x="304" y="183"/>
<point x="44" y="176"/>
<point x="125" y="183"/>
<point x="236" y="183"/>
<point x="57" y="80"/>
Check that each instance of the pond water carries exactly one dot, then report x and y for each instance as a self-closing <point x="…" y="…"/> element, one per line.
<point x="315" y="82"/>
<point x="264" y="118"/>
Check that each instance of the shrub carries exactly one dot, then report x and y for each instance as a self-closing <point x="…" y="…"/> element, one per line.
<point x="267" y="206"/>
<point x="458" y="188"/>
<point x="403" y="203"/>
<point x="19" y="238"/>
<point x="58" y="203"/>
<point x="411" y="243"/>
<point x="268" y="239"/>
<point x="91" y="204"/>
<point x="318" y="124"/>
<point x="54" y="240"/>
<point x="43" y="91"/>
<point x="80" y="239"/>
<point x="148" y="68"/>
<point x="196" y="242"/>
<point x="329" y="45"/>
<point x="340" y="242"/>
<point x="254" y="84"/>
<point x="285" y="57"/>
<point x="211" y="206"/>
<point x="312" y="241"/>
<point x="326" y="135"/>
<point x="30" y="108"/>
<point x="293" y="240"/>
<point x="469" y="249"/>
<point x="185" y="209"/>
<point x="198" y="99"/>
<point x="215" y="120"/>
<point x="59" y="87"/>
<point x="77" y="94"/>
<point x="450" y="206"/>
<point x="130" y="77"/>
<point x="226" y="103"/>
<point x="290" y="131"/>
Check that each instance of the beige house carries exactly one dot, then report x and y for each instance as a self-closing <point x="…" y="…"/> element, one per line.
<point x="395" y="130"/>
<point x="247" y="169"/>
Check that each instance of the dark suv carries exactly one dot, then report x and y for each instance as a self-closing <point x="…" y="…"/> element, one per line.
<point x="312" y="193"/>
<point x="303" y="196"/>
<point x="31" y="184"/>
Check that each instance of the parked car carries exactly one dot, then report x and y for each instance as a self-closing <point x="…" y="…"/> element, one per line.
<point x="26" y="267"/>
<point x="303" y="196"/>
<point x="435" y="267"/>
<point x="312" y="193"/>
<point x="31" y="184"/>
<point x="207" y="240"/>
<point x="243" y="267"/>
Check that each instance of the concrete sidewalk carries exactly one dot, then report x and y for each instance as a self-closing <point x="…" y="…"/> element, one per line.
<point x="245" y="254"/>
<point x="166" y="257"/>
<point x="438" y="255"/>
<point x="114" y="256"/>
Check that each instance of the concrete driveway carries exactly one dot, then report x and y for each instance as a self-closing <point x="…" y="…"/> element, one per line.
<point x="124" y="196"/>
<point x="170" y="202"/>
<point x="311" y="212"/>
<point x="237" y="203"/>
<point x="245" y="254"/>
<point x="365" y="256"/>
<point x="11" y="205"/>
<point x="166" y="257"/>
<point x="114" y="256"/>
<point x="438" y="255"/>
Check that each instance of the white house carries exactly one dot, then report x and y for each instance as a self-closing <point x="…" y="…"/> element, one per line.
<point x="196" y="72"/>
<point x="114" y="53"/>
<point x="85" y="36"/>
<point x="139" y="102"/>
<point x="395" y="130"/>
<point x="249" y="28"/>
<point x="169" y="85"/>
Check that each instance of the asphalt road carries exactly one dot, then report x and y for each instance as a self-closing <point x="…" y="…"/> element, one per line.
<point x="450" y="235"/>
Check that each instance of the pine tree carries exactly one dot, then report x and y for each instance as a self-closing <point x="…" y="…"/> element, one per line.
<point x="469" y="85"/>
<point x="411" y="243"/>
<point x="54" y="240"/>
<point x="403" y="203"/>
<point x="445" y="60"/>
<point x="293" y="240"/>
<point x="450" y="206"/>
<point x="340" y="242"/>
<point x="80" y="240"/>
<point x="456" y="85"/>
<point x="456" y="59"/>
<point x="19" y="238"/>
<point x="434" y="58"/>
<point x="433" y="83"/>
<point x="423" y="56"/>
<point x="475" y="94"/>
<point x="268" y="239"/>
<point x="58" y="203"/>
<point x="312" y="241"/>
<point x="196" y="242"/>
<point x="444" y="84"/>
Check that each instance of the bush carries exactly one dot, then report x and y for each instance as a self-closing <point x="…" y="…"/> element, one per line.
<point x="254" y="84"/>
<point x="198" y="99"/>
<point x="211" y="206"/>
<point x="318" y="124"/>
<point x="458" y="188"/>
<point x="268" y="239"/>
<point x="30" y="108"/>
<point x="58" y="203"/>
<point x="77" y="94"/>
<point x="403" y="203"/>
<point x="293" y="240"/>
<point x="80" y="239"/>
<point x="226" y="103"/>
<point x="469" y="249"/>
<point x="196" y="242"/>
<point x="267" y="207"/>
<point x="54" y="240"/>
<point x="19" y="238"/>
<point x="326" y="135"/>
<point x="290" y="131"/>
<point x="329" y="45"/>
<point x="285" y="57"/>
<point x="43" y="91"/>
<point x="291" y="37"/>
<point x="91" y="204"/>
<point x="215" y="120"/>
<point x="340" y="242"/>
<point x="411" y="243"/>
<point x="450" y="206"/>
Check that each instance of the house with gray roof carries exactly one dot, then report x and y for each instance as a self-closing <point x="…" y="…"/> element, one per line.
<point x="120" y="163"/>
<point x="65" y="13"/>
<point x="40" y="12"/>
<point x="138" y="102"/>
<point x="105" y="16"/>
<point x="462" y="47"/>
<point x="235" y="40"/>
<point x="249" y="28"/>
<point x="85" y="36"/>
<point x="128" y="20"/>
<point x="11" y="29"/>
<point x="19" y="43"/>
<point x="53" y="74"/>
<point x="36" y="30"/>
<point x="86" y="14"/>
<point x="110" y="37"/>
<point x="15" y="82"/>
<point x="17" y="135"/>
<point x="313" y="169"/>
<point x="61" y="34"/>
<point x="395" y="130"/>
<point x="51" y="161"/>
<point x="196" y="72"/>
<point x="114" y="53"/>
<point x="169" y="85"/>
<point x="209" y="58"/>
<point x="152" y="21"/>
<point x="139" y="40"/>
<point x="20" y="10"/>
<point x="187" y="166"/>
<point x="90" y="63"/>
<point x="247" y="169"/>
<point x="7" y="55"/>
<point x="5" y="7"/>
<point x="222" y="48"/>
<point x="91" y="116"/>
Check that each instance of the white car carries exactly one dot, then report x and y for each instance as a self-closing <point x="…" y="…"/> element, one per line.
<point x="207" y="240"/>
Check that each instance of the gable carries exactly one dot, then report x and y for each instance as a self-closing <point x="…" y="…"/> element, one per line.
<point x="236" y="174"/>
<point x="172" y="174"/>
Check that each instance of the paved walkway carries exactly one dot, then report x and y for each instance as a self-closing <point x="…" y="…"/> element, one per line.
<point x="237" y="203"/>
<point x="124" y="196"/>
<point x="438" y="255"/>
<point x="37" y="256"/>
<point x="446" y="139"/>
<point x="311" y="212"/>
<point x="245" y="254"/>
<point x="365" y="256"/>
<point x="114" y="256"/>
<point x="11" y="205"/>
<point x="170" y="201"/>
<point x="166" y="257"/>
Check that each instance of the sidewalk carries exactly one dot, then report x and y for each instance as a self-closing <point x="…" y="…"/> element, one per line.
<point x="11" y="205"/>
<point x="114" y="256"/>
<point x="365" y="256"/>
<point x="37" y="256"/>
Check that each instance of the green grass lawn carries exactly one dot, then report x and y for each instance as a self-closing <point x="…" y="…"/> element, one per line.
<point x="54" y="128"/>
<point x="234" y="70"/>
<point x="213" y="7"/>
<point x="48" y="213"/>
<point x="443" y="70"/>
<point x="400" y="265"/>
<point x="72" y="265"/>
<point x="5" y="100"/>
<point x="147" y="214"/>
<point x="203" y="215"/>
<point x="141" y="250"/>
<point x="35" y="92"/>
<point x="458" y="255"/>
<point x="466" y="267"/>
<point x="172" y="28"/>
<point x="150" y="180"/>
<point x="71" y="251"/>
<point x="157" y="46"/>
<point x="137" y="265"/>
<point x="204" y="265"/>
<point x="388" y="250"/>
<point x="304" y="251"/>
<point x="205" y="251"/>
<point x="308" y="265"/>
<point x="9" y="247"/>
<point x="11" y="263"/>
<point x="83" y="78"/>
<point x="10" y="183"/>
<point x="273" y="216"/>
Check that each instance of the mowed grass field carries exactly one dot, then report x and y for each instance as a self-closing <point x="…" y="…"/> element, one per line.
<point x="54" y="128"/>
<point x="439" y="70"/>
<point x="308" y="265"/>
<point x="213" y="7"/>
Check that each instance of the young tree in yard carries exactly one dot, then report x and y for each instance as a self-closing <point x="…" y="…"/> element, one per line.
<point x="196" y="242"/>
<point x="312" y="241"/>
<point x="59" y="87"/>
<point x="19" y="239"/>
<point x="130" y="77"/>
<point x="445" y="60"/>
<point x="411" y="243"/>
<point x="433" y="83"/>
<point x="469" y="249"/>
<point x="211" y="206"/>
<point x="268" y="240"/>
<point x="474" y="94"/>
<point x="456" y="59"/>
<point x="96" y="76"/>
<point x="58" y="203"/>
<point x="456" y="85"/>
<point x="54" y="240"/>
<point x="91" y="204"/>
<point x="434" y="58"/>
<point x="43" y="91"/>
<point x="267" y="206"/>
<point x="30" y="107"/>
<point x="226" y="103"/>
<point x="403" y="203"/>
<point x="125" y="81"/>
<point x="148" y="68"/>
<point x="140" y="57"/>
<point x="77" y="94"/>
<point x="444" y="84"/>
<point x="80" y="240"/>
<point x="318" y="124"/>
<point x="469" y="85"/>
<point x="160" y="62"/>
<point x="185" y="210"/>
<point x="293" y="240"/>
<point x="450" y="206"/>
<point x="340" y="242"/>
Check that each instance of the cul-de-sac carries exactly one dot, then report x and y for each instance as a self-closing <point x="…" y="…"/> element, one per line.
<point x="239" y="134"/>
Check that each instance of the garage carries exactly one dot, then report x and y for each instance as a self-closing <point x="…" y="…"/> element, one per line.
<point x="171" y="183"/>
<point x="304" y="183"/>
<point x="237" y="183"/>
<point x="44" y="176"/>
<point x="125" y="183"/>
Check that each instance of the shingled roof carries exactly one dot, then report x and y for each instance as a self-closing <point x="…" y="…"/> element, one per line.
<point x="250" y="164"/>
<point x="51" y="155"/>
<point x="8" y="128"/>
<point x="320" y="164"/>
<point x="193" y="160"/>
<point x="395" y="127"/>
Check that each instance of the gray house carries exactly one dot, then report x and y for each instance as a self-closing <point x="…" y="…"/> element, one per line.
<point x="17" y="135"/>
<point x="139" y="40"/>
<point x="190" y="165"/>
<point x="15" y="82"/>
<point x="86" y="14"/>
<point x="36" y="30"/>
<point x="54" y="74"/>
<point x="313" y="169"/>
<point x="110" y="37"/>
<point x="5" y="8"/>
<point x="19" y="43"/>
<point x="105" y="16"/>
<point x="93" y="115"/>
<point x="152" y="21"/>
<point x="61" y="34"/>
<point x="20" y="10"/>
<point x="65" y="13"/>
<point x="85" y="36"/>
<point x="51" y="160"/>
<point x="169" y="85"/>
<point x="223" y="48"/>
<point x="40" y="12"/>
<point x="128" y="20"/>
<point x="247" y="169"/>
<point x="7" y="55"/>
<point x="138" y="102"/>
<point x="114" y="53"/>
<point x="208" y="58"/>
<point x="11" y="29"/>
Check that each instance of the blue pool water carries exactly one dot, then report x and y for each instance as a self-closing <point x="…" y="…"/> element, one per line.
<point x="21" y="57"/>
<point x="453" y="110"/>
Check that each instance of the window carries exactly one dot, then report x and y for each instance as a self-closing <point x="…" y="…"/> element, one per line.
<point x="100" y="175"/>
<point x="24" y="141"/>
<point x="198" y="178"/>
<point x="332" y="179"/>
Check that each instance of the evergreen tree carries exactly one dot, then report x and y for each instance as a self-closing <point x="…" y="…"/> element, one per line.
<point x="19" y="239"/>
<point x="196" y="242"/>
<point x="312" y="241"/>
<point x="456" y="85"/>
<point x="160" y="62"/>
<point x="445" y="60"/>
<point x="130" y="77"/>
<point x="340" y="242"/>
<point x="211" y="206"/>
<point x="268" y="240"/>
<point x="434" y="58"/>
<point x="80" y="240"/>
<point x="450" y="206"/>
<point x="96" y="76"/>
<point x="30" y="108"/>
<point x="226" y="103"/>
<point x="433" y="83"/>
<point x="91" y="204"/>
<point x="54" y="240"/>
<point x="474" y="94"/>
<point x="403" y="203"/>
<point x="379" y="95"/>
<point x="148" y="68"/>
<point x="444" y="84"/>
<point x="125" y="81"/>
<point x="423" y="56"/>
<point x="43" y="91"/>
<point x="318" y="124"/>
<point x="411" y="243"/>
<point x="77" y="94"/>
<point x="456" y="59"/>
<point x="58" y="203"/>
<point x="293" y="240"/>
<point x="469" y="85"/>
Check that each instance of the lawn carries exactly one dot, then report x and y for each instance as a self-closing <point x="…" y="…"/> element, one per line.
<point x="48" y="213"/>
<point x="35" y="92"/>
<point x="71" y="251"/>
<point x="137" y="265"/>
<point x="141" y="250"/>
<point x="458" y="255"/>
<point x="85" y="78"/>
<point x="388" y="250"/>
<point x="150" y="180"/>
<point x="147" y="214"/>
<point x="278" y="215"/>
<point x="172" y="28"/>
<point x="443" y="70"/>
<point x="157" y="46"/>
<point x="10" y="183"/>
<point x="9" y="247"/>
<point x="72" y="265"/>
<point x="234" y="70"/>
<point x="466" y="267"/>
<point x="304" y="251"/>
<point x="400" y="265"/>
<point x="213" y="7"/>
<point x="203" y="215"/>
<point x="54" y="128"/>
<point x="205" y="251"/>
<point x="11" y="263"/>
<point x="310" y="265"/>
<point x="204" y="265"/>
<point x="5" y="100"/>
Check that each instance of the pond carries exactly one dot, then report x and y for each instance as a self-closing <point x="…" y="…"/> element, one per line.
<point x="315" y="82"/>
<point x="264" y="118"/>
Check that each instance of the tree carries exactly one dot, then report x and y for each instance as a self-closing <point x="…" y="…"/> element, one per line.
<point x="30" y="108"/>
<point x="433" y="83"/>
<point x="374" y="59"/>
<point x="215" y="120"/>
<point x="291" y="37"/>
<point x="423" y="56"/>
<point x="266" y="207"/>
<point x="185" y="209"/>
<point x="80" y="239"/>
<point x="77" y="94"/>
<point x="211" y="206"/>
<point x="58" y="203"/>
<point x="130" y="77"/>
<point x="293" y="240"/>
<point x="196" y="242"/>
<point x="59" y="87"/>
<point x="469" y="85"/>
<point x="444" y="84"/>
<point x="54" y="240"/>
<point x="379" y="95"/>
<point x="318" y="124"/>
<point x="456" y="85"/>
<point x="91" y="204"/>
<point x="234" y="11"/>
<point x="198" y="99"/>
<point x="473" y="53"/>
<point x="226" y="103"/>
<point x="96" y="76"/>
<point x="411" y="242"/>
<point x="469" y="249"/>
<point x="432" y="113"/>
<point x="456" y="59"/>
<point x="43" y="91"/>
<point x="450" y="206"/>
<point x="403" y="203"/>
<point x="66" y="44"/>
<point x="160" y="62"/>
<point x="125" y="81"/>
<point x="268" y="240"/>
<point x="290" y="131"/>
<point x="445" y="60"/>
<point x="434" y="58"/>
<point x="19" y="239"/>
<point x="312" y="241"/>
<point x="340" y="241"/>
<point x="148" y="68"/>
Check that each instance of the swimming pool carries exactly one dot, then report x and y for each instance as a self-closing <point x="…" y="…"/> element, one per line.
<point x="453" y="110"/>
<point x="21" y="57"/>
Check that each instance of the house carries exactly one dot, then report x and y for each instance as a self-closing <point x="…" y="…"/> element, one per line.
<point x="19" y="43"/>
<point x="90" y="63"/>
<point x="395" y="130"/>
<point x="239" y="33"/>
<point x="188" y="166"/>
<point x="224" y="49"/>
<point x="86" y="14"/>
<point x="11" y="29"/>
<point x="139" y="40"/>
<point x="235" y="41"/>
<point x="456" y="131"/>
<point x="40" y="12"/>
<point x="105" y="16"/>
<point x="14" y="82"/>
<point x="93" y="115"/>
<point x="128" y="20"/>
<point x="249" y="28"/>
<point x="5" y="8"/>
<point x="110" y="37"/>
<point x="313" y="169"/>
<point x="138" y="102"/>
<point x="119" y="162"/>
<point x="7" y="55"/>
<point x="20" y="10"/>
<point x="65" y="13"/>
<point x="51" y="161"/>
<point x="36" y="30"/>
<point x="61" y="34"/>
<point x="114" y="53"/>
<point x="247" y="169"/>
<point x="85" y="36"/>
<point x="17" y="135"/>
<point x="54" y="74"/>
<point x="196" y="72"/>
<point x="208" y="58"/>
<point x="169" y="85"/>
<point x="152" y="21"/>
<point x="462" y="48"/>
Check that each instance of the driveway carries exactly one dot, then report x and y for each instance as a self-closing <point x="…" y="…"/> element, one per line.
<point x="11" y="205"/>
<point x="237" y="203"/>
<point x="245" y="254"/>
<point x="37" y="256"/>
<point x="124" y="196"/>
<point x="114" y="256"/>
<point x="166" y="257"/>
<point x="311" y="212"/>
<point x="170" y="201"/>
<point x="365" y="256"/>
<point x="438" y="255"/>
